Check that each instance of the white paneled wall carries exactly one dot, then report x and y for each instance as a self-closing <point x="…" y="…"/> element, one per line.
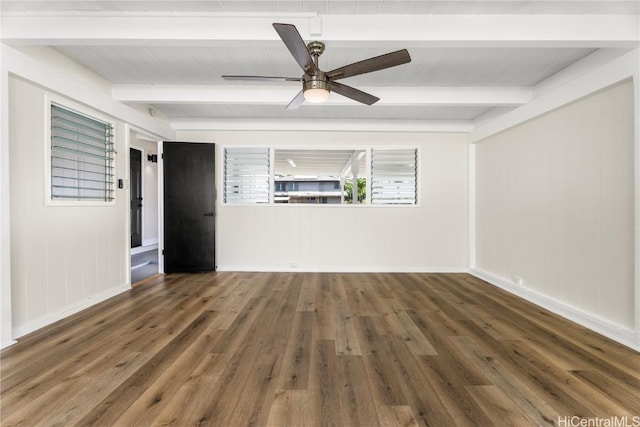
<point x="429" y="237"/>
<point x="63" y="258"/>
<point x="555" y="208"/>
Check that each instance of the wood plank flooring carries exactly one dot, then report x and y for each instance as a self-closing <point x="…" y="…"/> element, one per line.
<point x="316" y="349"/>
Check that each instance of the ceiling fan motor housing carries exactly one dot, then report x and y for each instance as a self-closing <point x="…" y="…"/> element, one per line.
<point x="316" y="88"/>
<point x="318" y="81"/>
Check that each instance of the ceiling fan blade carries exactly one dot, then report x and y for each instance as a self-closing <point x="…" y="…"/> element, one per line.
<point x="296" y="102"/>
<point x="353" y="93"/>
<point x="292" y="39"/>
<point x="262" y="78"/>
<point x="376" y="63"/>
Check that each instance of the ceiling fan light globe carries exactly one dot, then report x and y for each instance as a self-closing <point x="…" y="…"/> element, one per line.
<point x="316" y="95"/>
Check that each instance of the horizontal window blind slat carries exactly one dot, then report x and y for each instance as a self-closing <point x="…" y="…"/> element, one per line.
<point x="78" y="197"/>
<point x="101" y="181"/>
<point x="79" y="152"/>
<point x="393" y="201"/>
<point x="246" y="174"/>
<point x="395" y="180"/>
<point x="67" y="159"/>
<point x="247" y="186"/>
<point x="61" y="168"/>
<point x="247" y="191"/>
<point x="245" y="157"/>
<point x="247" y="178"/>
<point x="391" y="190"/>
<point x="77" y="187"/>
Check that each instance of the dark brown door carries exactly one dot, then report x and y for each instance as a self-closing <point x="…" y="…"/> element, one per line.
<point x="189" y="202"/>
<point x="135" y="179"/>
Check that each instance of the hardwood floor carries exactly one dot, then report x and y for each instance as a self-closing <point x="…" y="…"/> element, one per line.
<point x="298" y="349"/>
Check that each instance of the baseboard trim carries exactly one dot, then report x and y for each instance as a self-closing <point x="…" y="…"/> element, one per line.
<point x="144" y="248"/>
<point x="621" y="334"/>
<point x="339" y="269"/>
<point x="67" y="311"/>
<point x="7" y="344"/>
<point x="150" y="242"/>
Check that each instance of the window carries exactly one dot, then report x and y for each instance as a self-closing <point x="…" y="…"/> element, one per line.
<point x="246" y="175"/>
<point x="393" y="176"/>
<point x="360" y="176"/>
<point x="82" y="157"/>
<point x="318" y="176"/>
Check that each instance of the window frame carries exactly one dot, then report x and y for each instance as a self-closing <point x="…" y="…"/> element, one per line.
<point x="91" y="114"/>
<point x="367" y="148"/>
<point x="417" y="176"/>
<point x="270" y="181"/>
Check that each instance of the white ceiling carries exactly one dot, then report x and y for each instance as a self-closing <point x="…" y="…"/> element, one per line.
<point x="328" y="6"/>
<point x="429" y="66"/>
<point x="469" y="58"/>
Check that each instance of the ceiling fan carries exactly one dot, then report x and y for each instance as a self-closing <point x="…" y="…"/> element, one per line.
<point x="316" y="84"/>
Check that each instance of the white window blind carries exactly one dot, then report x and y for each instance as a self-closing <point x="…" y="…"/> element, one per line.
<point x="82" y="153"/>
<point x="393" y="176"/>
<point x="246" y="175"/>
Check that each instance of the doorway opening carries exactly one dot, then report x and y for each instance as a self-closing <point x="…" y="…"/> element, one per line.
<point x="143" y="190"/>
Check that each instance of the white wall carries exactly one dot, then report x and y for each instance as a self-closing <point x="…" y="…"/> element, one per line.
<point x="555" y="208"/>
<point x="428" y="237"/>
<point x="21" y="120"/>
<point x="55" y="60"/>
<point x="6" y="335"/>
<point x="63" y="258"/>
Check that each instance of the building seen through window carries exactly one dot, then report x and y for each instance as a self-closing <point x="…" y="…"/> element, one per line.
<point x="319" y="176"/>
